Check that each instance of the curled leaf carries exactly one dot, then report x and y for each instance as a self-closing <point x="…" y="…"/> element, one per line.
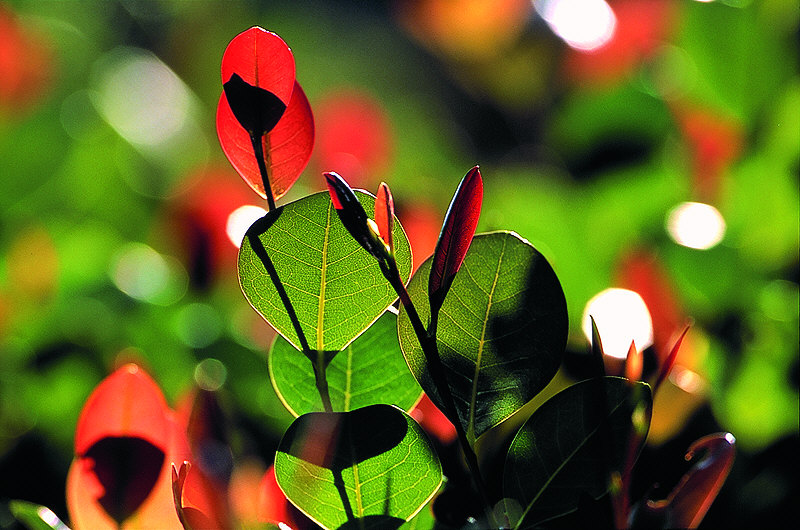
<point x="688" y="503"/>
<point x="456" y="235"/>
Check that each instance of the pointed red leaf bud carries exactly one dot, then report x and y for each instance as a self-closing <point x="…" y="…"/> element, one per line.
<point x="670" y="361"/>
<point x="633" y="364"/>
<point x="353" y="216"/>
<point x="384" y="215"/>
<point x="456" y="235"/>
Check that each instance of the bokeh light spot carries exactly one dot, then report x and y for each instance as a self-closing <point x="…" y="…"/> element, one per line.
<point x="583" y="24"/>
<point x="696" y="225"/>
<point x="198" y="325"/>
<point x="621" y="317"/>
<point x="210" y="374"/>
<point x="240" y="220"/>
<point x="142" y="273"/>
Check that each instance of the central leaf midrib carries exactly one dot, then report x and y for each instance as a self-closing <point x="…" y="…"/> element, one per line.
<point x="322" y="283"/>
<point x="482" y="341"/>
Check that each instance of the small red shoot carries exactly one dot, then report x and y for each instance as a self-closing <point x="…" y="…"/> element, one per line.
<point x="688" y="503"/>
<point x="384" y="215"/>
<point x="456" y="235"/>
<point x="670" y="361"/>
<point x="634" y="364"/>
<point x="352" y="215"/>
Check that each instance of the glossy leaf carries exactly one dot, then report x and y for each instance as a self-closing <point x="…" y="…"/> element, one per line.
<point x="456" y="235"/>
<point x="501" y="334"/>
<point x="35" y="517"/>
<point x="369" y="468"/>
<point x="287" y="147"/>
<point x="568" y="447"/>
<point x="335" y="288"/>
<point x="370" y="370"/>
<point x="688" y="503"/>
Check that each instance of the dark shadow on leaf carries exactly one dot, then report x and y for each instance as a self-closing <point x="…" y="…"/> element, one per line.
<point x="128" y="468"/>
<point x="377" y="522"/>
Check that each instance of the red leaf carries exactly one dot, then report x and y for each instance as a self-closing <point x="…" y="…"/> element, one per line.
<point x="384" y="214"/>
<point x="634" y="364"/>
<point x="688" y="503"/>
<point x="262" y="59"/>
<point x="287" y="147"/>
<point x="670" y="361"/>
<point x="455" y="237"/>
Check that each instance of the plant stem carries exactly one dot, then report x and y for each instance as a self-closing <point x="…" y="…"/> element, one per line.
<point x="258" y="149"/>
<point x="321" y="381"/>
<point x="427" y="339"/>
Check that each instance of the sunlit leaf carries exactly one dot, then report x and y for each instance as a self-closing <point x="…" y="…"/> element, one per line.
<point x="335" y="288"/>
<point x="688" y="503"/>
<point x="370" y="370"/>
<point x="568" y="447"/>
<point x="501" y="333"/>
<point x="384" y="214"/>
<point x="36" y="517"/>
<point x="456" y="235"/>
<point x="369" y="468"/>
<point x="262" y="60"/>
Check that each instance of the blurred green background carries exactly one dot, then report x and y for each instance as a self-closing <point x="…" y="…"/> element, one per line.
<point x="592" y="123"/>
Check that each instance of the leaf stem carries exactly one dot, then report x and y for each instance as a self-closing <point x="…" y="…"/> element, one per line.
<point x="258" y="149"/>
<point x="321" y="381"/>
<point x="427" y="339"/>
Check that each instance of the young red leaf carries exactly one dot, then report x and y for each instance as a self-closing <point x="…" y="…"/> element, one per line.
<point x="634" y="364"/>
<point x="670" y="361"/>
<point x="688" y="503"/>
<point x="456" y="235"/>
<point x="352" y="215"/>
<point x="384" y="214"/>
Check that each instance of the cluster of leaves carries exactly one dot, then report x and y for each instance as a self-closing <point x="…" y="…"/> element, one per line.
<point x="480" y="328"/>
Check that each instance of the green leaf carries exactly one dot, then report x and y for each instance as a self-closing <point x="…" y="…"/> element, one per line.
<point x="335" y="288"/>
<point x="36" y="517"/>
<point x="569" y="446"/>
<point x="368" y="468"/>
<point x="501" y="334"/>
<point x="370" y="370"/>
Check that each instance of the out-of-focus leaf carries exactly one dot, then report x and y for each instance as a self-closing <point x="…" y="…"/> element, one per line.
<point x="501" y="333"/>
<point x="336" y="289"/>
<point x="36" y="517"/>
<point x="688" y="503"/>
<point x="569" y="446"/>
<point x="455" y="238"/>
<point x="369" y="468"/>
<point x="370" y="370"/>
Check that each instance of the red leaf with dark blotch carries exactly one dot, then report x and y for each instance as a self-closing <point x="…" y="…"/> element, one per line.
<point x="128" y="403"/>
<point x="256" y="109"/>
<point x="456" y="235"/>
<point x="384" y="214"/>
<point x="262" y="59"/>
<point x="670" y="361"/>
<point x="287" y="147"/>
<point x="352" y="214"/>
<point x="689" y="501"/>
<point x="127" y="468"/>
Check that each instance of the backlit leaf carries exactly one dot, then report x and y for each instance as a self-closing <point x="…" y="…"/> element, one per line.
<point x="501" y="334"/>
<point x="369" y="468"/>
<point x="335" y="288"/>
<point x="370" y="370"/>
<point x="456" y="235"/>
<point x="568" y="447"/>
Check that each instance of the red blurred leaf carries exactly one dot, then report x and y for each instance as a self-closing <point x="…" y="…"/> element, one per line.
<point x="670" y="361"/>
<point x="633" y="364"/>
<point x="456" y="235"/>
<point x="275" y="508"/>
<point x="384" y="215"/>
<point x="433" y="421"/>
<point x="122" y="441"/>
<point x="197" y="499"/>
<point x="26" y="64"/>
<point x="261" y="59"/>
<point x="689" y="501"/>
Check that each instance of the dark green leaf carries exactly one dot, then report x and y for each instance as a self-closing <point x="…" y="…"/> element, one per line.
<point x="569" y="446"/>
<point x="369" y="468"/>
<point x="335" y="288"/>
<point x="370" y="370"/>
<point x="501" y="333"/>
